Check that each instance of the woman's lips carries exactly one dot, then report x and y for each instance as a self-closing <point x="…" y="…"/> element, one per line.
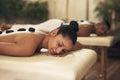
<point x="52" y="51"/>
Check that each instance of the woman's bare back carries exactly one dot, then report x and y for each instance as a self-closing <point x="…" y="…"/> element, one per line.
<point x="20" y="44"/>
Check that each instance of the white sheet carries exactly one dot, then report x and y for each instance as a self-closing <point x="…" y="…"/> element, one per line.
<point x="43" y="67"/>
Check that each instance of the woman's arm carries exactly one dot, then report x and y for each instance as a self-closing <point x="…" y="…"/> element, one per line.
<point x="5" y="26"/>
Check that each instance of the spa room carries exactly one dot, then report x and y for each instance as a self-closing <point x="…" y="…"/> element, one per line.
<point x="35" y="43"/>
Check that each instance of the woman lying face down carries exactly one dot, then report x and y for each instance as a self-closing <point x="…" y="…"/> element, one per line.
<point x="100" y="29"/>
<point x="26" y="44"/>
<point x="85" y="28"/>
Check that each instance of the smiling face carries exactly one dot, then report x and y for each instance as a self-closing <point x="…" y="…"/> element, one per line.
<point x="59" y="44"/>
<point x="62" y="39"/>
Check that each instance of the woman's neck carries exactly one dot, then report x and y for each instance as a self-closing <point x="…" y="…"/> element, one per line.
<point x="45" y="41"/>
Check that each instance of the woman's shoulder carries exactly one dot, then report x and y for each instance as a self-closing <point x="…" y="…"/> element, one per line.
<point x="25" y="35"/>
<point x="35" y="35"/>
<point x="31" y="38"/>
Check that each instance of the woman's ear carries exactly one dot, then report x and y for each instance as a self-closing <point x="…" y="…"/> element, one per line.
<point x="54" y="32"/>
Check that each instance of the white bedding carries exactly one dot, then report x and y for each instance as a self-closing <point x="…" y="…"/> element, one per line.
<point x="43" y="67"/>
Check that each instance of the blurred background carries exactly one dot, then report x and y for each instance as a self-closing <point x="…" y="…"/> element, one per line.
<point x="36" y="11"/>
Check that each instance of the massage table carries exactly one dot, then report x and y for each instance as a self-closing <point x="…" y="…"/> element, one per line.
<point x="42" y="66"/>
<point x="73" y="66"/>
<point x="103" y="43"/>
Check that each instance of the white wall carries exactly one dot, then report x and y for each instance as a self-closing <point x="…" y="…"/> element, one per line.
<point x="57" y="9"/>
<point x="92" y="14"/>
<point x="76" y="9"/>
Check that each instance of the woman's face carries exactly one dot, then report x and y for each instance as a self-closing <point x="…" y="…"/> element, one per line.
<point x="59" y="44"/>
<point x="101" y="29"/>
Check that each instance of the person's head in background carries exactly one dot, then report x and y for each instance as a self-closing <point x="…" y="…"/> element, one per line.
<point x="63" y="39"/>
<point x="102" y="28"/>
<point x="86" y="28"/>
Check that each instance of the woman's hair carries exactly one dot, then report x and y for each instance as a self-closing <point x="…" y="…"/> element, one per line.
<point x="107" y="24"/>
<point x="69" y="31"/>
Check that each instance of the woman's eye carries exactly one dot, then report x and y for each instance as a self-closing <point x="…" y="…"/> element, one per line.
<point x="65" y="51"/>
<point x="59" y="44"/>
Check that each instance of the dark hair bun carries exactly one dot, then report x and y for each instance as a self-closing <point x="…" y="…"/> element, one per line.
<point x="107" y="23"/>
<point x="74" y="25"/>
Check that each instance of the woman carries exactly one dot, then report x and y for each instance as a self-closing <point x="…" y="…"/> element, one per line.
<point x="85" y="28"/>
<point x="26" y="44"/>
<point x="88" y="28"/>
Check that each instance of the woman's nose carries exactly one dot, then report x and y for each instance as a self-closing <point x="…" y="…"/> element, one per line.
<point x="104" y="32"/>
<point x="59" y="50"/>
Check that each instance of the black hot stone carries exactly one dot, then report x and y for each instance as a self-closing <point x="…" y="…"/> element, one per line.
<point x="21" y="29"/>
<point x="32" y="29"/>
<point x="9" y="31"/>
<point x="0" y="32"/>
